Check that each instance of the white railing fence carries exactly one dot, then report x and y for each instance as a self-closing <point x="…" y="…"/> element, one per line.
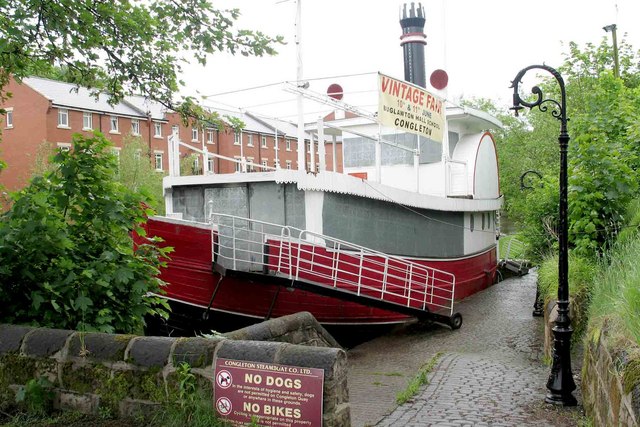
<point x="249" y="245"/>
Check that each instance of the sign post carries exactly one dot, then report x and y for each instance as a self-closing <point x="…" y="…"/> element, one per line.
<point x="271" y="394"/>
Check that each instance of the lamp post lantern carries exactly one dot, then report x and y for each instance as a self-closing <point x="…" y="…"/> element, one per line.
<point x="560" y="384"/>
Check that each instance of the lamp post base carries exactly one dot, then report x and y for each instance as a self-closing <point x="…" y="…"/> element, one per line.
<point x="560" y="399"/>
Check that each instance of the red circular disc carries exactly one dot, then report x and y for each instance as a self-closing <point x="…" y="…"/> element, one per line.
<point x="335" y="91"/>
<point x="439" y="79"/>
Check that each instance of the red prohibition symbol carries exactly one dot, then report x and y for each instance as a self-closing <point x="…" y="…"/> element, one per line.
<point x="224" y="379"/>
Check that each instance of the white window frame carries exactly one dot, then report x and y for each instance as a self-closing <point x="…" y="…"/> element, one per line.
<point x="250" y="140"/>
<point x="8" y="118"/>
<point x="158" y="155"/>
<point x="265" y="164"/>
<point x="288" y="164"/>
<point x="238" y="163"/>
<point x="263" y="141"/>
<point x="87" y="120"/>
<point x="64" y="146"/>
<point x="250" y="167"/>
<point x="194" y="134"/>
<point x="210" y="135"/>
<point x="288" y="144"/>
<point x="135" y="127"/>
<point x="210" y="164"/>
<point x="63" y="118"/>
<point x="237" y="138"/>
<point x="157" y="129"/>
<point x="114" y="125"/>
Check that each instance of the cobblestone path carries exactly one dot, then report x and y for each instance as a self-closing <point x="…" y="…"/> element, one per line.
<point x="491" y="371"/>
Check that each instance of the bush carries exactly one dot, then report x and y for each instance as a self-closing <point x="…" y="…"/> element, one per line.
<point x="67" y="258"/>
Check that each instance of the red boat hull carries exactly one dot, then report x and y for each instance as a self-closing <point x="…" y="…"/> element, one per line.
<point x="191" y="280"/>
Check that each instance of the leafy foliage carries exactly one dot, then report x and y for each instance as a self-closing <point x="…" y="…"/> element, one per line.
<point x="67" y="258"/>
<point x="123" y="47"/>
<point x="137" y="172"/>
<point x="604" y="156"/>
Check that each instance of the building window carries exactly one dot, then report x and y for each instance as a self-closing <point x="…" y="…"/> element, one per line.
<point x="308" y="146"/>
<point x="194" y="134"/>
<point x="276" y="164"/>
<point x="8" y="117"/>
<point x="288" y="145"/>
<point x="135" y="127"/>
<point x="64" y="146"/>
<point x="210" y="136"/>
<point x="157" y="130"/>
<point x="87" y="121"/>
<point x="158" y="158"/>
<point x="137" y="155"/>
<point x="196" y="165"/>
<point x="113" y="123"/>
<point x="250" y="167"/>
<point x="265" y="164"/>
<point x="210" y="165"/>
<point x="238" y="163"/>
<point x="175" y="130"/>
<point x="288" y="164"/>
<point x="249" y="140"/>
<point x="63" y="118"/>
<point x="263" y="141"/>
<point x="236" y="138"/>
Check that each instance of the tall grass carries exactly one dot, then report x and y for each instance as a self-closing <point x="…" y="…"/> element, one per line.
<point x="616" y="292"/>
<point x="582" y="272"/>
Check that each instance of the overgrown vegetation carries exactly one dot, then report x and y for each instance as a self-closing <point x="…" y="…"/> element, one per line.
<point x="67" y="258"/>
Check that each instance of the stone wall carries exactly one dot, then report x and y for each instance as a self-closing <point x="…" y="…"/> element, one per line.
<point x="610" y="385"/>
<point x="129" y="375"/>
<point x="610" y="398"/>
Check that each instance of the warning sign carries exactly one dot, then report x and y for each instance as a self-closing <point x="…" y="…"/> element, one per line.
<point x="272" y="395"/>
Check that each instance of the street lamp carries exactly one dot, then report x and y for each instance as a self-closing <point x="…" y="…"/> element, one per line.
<point x="560" y="383"/>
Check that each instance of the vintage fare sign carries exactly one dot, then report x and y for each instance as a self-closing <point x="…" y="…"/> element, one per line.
<point x="410" y="108"/>
<point x="273" y="395"/>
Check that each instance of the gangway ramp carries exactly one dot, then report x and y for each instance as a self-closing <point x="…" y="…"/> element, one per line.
<point x="290" y="257"/>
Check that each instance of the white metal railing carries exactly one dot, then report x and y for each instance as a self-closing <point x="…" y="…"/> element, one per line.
<point x="515" y="253"/>
<point x="244" y="244"/>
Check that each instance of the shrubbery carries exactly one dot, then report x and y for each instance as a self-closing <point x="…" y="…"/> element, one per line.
<point x="67" y="258"/>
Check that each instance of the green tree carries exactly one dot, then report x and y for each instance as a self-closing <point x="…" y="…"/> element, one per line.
<point x="604" y="113"/>
<point x="121" y="47"/>
<point x="136" y="170"/>
<point x="67" y="257"/>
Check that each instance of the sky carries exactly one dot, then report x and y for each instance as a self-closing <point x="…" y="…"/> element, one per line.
<point x="482" y="44"/>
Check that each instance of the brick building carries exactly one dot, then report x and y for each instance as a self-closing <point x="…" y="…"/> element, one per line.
<point x="42" y="111"/>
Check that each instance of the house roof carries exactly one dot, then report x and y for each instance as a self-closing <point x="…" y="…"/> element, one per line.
<point x="71" y="96"/>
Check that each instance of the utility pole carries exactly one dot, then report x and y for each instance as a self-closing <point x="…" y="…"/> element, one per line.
<point x="616" y="65"/>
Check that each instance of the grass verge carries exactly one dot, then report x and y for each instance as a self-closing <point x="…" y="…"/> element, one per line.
<point x="420" y="380"/>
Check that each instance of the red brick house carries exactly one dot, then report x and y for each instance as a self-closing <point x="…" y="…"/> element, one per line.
<point x="42" y="111"/>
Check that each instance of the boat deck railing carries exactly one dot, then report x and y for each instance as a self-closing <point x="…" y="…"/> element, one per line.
<point x="250" y="245"/>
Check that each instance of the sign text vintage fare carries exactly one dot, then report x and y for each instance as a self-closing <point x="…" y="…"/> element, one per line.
<point x="410" y="108"/>
<point x="273" y="395"/>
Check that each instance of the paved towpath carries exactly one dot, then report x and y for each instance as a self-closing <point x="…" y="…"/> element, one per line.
<point x="490" y="373"/>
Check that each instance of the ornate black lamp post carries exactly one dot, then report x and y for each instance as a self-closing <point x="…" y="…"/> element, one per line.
<point x="560" y="383"/>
